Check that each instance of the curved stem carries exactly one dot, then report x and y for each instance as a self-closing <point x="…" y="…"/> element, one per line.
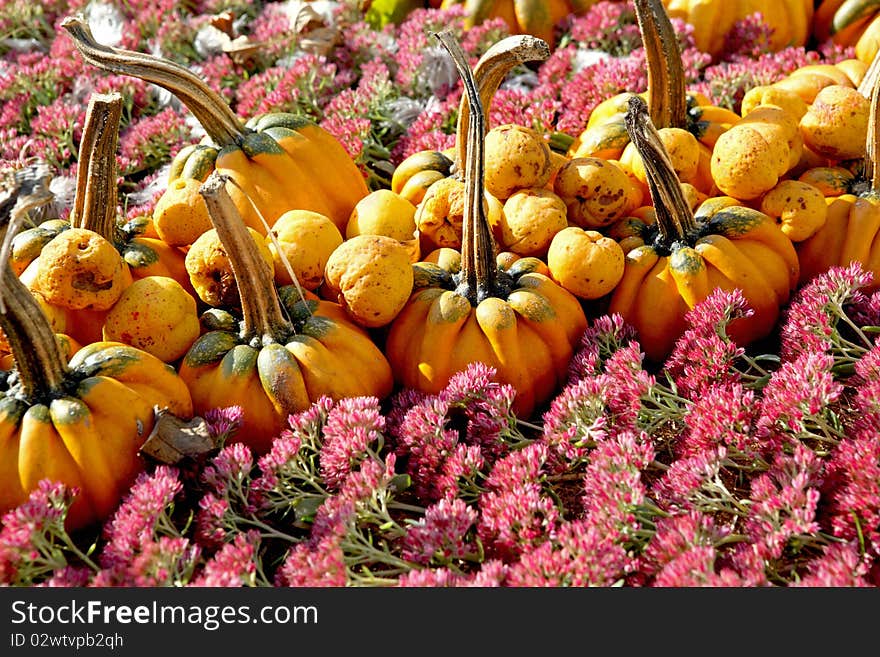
<point x="477" y="248"/>
<point x="489" y="73"/>
<point x="667" y="96"/>
<point x="674" y="216"/>
<point x="42" y="368"/>
<point x="215" y="115"/>
<point x="261" y="309"/>
<point x="94" y="206"/>
<point x="872" y="143"/>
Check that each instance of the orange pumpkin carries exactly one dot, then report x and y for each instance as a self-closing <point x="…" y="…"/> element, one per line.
<point x="681" y="257"/>
<point x="852" y="226"/>
<point x="515" y="320"/>
<point x="279" y="161"/>
<point x="80" y="422"/>
<point x="276" y="362"/>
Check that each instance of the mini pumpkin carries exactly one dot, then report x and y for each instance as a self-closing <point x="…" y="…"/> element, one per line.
<point x="279" y="161"/>
<point x="371" y="277"/>
<point x="276" y="361"/>
<point x="516" y="320"/>
<point x="683" y="257"/>
<point x="850" y="232"/>
<point x="672" y="106"/>
<point x="79" y="422"/>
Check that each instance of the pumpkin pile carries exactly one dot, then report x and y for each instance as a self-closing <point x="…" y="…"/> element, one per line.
<point x="270" y="275"/>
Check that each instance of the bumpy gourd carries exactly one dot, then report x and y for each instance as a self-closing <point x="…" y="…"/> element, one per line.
<point x="371" y="277"/>
<point x="157" y="315"/>
<point x="438" y="215"/>
<point x="585" y="262"/>
<point x="529" y="220"/>
<point x="852" y="227"/>
<point x="305" y="240"/>
<point x="672" y="106"/>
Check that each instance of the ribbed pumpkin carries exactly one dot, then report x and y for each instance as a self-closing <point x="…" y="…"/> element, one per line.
<point x="672" y="107"/>
<point x="516" y="320"/>
<point x="537" y="18"/>
<point x="418" y="172"/>
<point x="683" y="257"/>
<point x="851" y="229"/>
<point x="279" y="161"/>
<point x="278" y="360"/>
<point x="790" y="20"/>
<point x="80" y="422"/>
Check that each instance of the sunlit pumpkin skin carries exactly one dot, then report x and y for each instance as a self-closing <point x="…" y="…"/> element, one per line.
<point x="798" y="207"/>
<point x="434" y="178"/>
<point x="528" y="336"/>
<point x="386" y="212"/>
<point x="672" y="106"/>
<point x="513" y="319"/>
<point x="303" y="241"/>
<point x="278" y="161"/>
<point x="724" y="246"/>
<point x="82" y="421"/>
<point x="529" y="220"/>
<point x="210" y="269"/>
<point x="81" y="267"/>
<point x="275" y="363"/>
<point x="535" y="18"/>
<point x="585" y="262"/>
<point x="154" y="314"/>
<point x="517" y="158"/>
<point x="750" y="158"/>
<point x="417" y="172"/>
<point x="790" y="20"/>
<point x="371" y="277"/>
<point x="850" y="232"/>
<point x="89" y="437"/>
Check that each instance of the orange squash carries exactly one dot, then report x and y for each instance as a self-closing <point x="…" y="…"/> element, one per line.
<point x="276" y="361"/>
<point x="279" y="161"/>
<point x="514" y="319"/>
<point x="80" y="422"/>
<point x="681" y="257"/>
<point x="852" y="226"/>
<point x="672" y="107"/>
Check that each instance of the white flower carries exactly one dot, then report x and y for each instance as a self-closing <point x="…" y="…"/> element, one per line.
<point x="106" y="23"/>
<point x="439" y="69"/>
<point x="210" y="41"/>
<point x="584" y="58"/>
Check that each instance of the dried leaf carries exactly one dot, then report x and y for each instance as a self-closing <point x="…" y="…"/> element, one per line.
<point x="173" y="439"/>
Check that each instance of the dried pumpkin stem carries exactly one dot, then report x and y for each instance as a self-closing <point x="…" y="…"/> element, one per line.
<point x="489" y="73"/>
<point x="872" y="142"/>
<point x="869" y="79"/>
<point x="94" y="206"/>
<point x="262" y="316"/>
<point x="215" y="115"/>
<point x="667" y="96"/>
<point x="478" y="269"/>
<point x="674" y="216"/>
<point x="42" y="368"/>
